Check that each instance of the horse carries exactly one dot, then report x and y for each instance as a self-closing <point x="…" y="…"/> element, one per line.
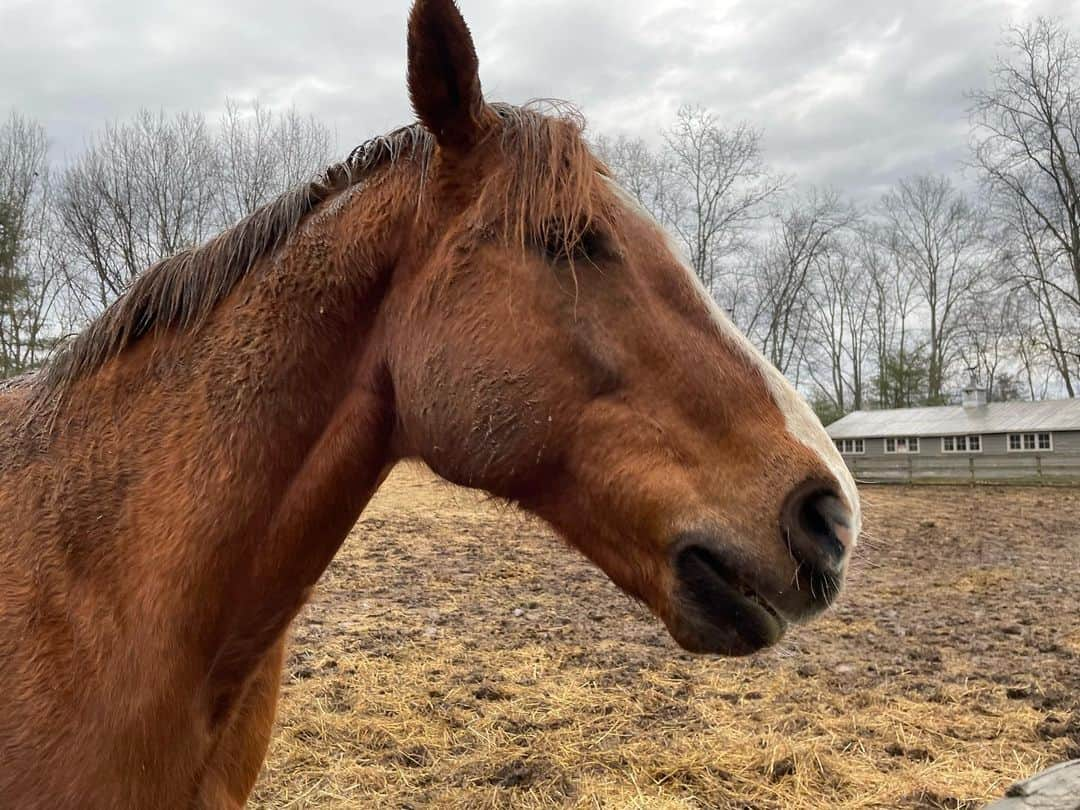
<point x="473" y="291"/>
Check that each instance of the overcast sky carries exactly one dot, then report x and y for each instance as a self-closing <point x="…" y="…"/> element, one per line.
<point x="852" y="93"/>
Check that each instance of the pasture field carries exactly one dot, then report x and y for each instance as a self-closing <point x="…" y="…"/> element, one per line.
<point x="458" y="656"/>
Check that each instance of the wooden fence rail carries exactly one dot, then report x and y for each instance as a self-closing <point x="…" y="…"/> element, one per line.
<point x="1050" y="468"/>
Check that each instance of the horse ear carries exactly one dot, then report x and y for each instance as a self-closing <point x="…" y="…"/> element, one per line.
<point x="444" y="79"/>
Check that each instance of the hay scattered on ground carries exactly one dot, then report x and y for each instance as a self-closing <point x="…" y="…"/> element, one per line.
<point x="458" y="657"/>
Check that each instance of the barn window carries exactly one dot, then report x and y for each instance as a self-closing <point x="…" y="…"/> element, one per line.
<point x="903" y="444"/>
<point x="961" y="444"/>
<point x="1030" y="442"/>
<point x="851" y="447"/>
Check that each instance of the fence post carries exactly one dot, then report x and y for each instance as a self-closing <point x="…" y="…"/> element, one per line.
<point x="971" y="467"/>
<point x="910" y="471"/>
<point x="1038" y="466"/>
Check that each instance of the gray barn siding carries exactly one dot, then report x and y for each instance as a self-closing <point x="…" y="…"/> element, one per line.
<point x="994" y="463"/>
<point x="1067" y="442"/>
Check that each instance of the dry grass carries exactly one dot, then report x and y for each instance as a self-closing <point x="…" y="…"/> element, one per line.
<point x="413" y="684"/>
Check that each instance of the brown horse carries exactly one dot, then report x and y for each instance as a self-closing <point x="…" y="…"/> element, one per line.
<point x="473" y="291"/>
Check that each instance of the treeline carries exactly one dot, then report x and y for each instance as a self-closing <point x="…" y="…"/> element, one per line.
<point x="890" y="305"/>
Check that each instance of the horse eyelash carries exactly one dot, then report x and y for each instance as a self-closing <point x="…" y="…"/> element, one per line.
<point x="589" y="246"/>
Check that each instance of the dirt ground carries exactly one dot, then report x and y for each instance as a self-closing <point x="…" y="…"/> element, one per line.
<point x="459" y="656"/>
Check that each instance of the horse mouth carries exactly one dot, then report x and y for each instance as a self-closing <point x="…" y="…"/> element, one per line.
<point x="720" y="611"/>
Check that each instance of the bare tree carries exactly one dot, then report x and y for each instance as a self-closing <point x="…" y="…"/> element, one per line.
<point x="259" y="154"/>
<point x="724" y="187"/>
<point x="1028" y="264"/>
<point x="842" y="322"/>
<point x="1026" y="145"/>
<point x="1034" y="363"/>
<point x="938" y="235"/>
<point x="805" y="232"/>
<point x="988" y="341"/>
<point x="28" y="266"/>
<point x="142" y="191"/>
<point x="891" y="303"/>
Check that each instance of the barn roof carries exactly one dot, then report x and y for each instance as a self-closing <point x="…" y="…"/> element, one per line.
<point x="997" y="417"/>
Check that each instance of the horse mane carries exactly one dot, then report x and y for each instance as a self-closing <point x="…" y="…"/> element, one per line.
<point x="548" y="182"/>
<point x="182" y="290"/>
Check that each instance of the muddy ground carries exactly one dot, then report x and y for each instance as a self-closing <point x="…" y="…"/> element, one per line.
<point x="457" y="655"/>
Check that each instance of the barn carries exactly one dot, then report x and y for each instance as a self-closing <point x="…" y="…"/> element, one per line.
<point x="1031" y="442"/>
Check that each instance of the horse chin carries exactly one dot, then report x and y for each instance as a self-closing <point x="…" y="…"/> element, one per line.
<point x="716" y="612"/>
<point x="733" y="639"/>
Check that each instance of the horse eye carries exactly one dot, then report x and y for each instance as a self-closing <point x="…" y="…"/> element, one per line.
<point x="589" y="246"/>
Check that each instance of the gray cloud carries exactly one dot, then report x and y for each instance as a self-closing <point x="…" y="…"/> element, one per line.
<point x="848" y="93"/>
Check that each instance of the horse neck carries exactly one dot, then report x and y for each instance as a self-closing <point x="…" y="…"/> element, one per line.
<point x="230" y="480"/>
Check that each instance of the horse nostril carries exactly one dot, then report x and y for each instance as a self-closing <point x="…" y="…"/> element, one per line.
<point x="815" y="524"/>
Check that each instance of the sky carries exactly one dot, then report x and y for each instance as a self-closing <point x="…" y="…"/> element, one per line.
<point x="852" y="94"/>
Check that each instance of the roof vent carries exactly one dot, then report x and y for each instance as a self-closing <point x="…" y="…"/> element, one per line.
<point x="975" y="396"/>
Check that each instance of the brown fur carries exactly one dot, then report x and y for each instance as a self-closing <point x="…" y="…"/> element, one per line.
<point x="175" y="483"/>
